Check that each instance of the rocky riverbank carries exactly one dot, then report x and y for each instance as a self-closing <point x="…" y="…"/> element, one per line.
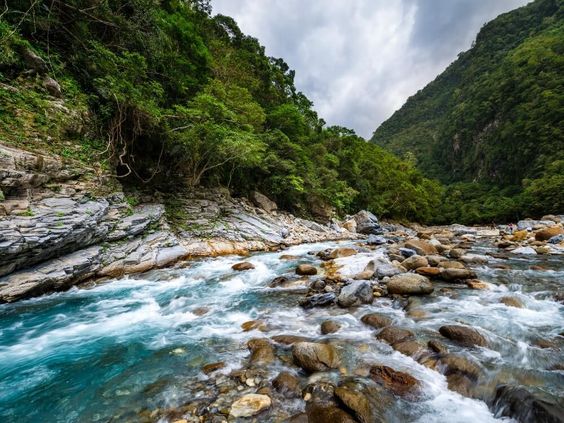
<point x="57" y="229"/>
<point x="380" y="295"/>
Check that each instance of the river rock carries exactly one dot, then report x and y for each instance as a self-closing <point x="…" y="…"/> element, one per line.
<point x="434" y="259"/>
<point x="407" y="252"/>
<point x="356" y="402"/>
<point x="387" y="270"/>
<point x="287" y="384"/>
<point x="464" y="335"/>
<point x="319" y="300"/>
<point x="243" y="266"/>
<point x="367" y="223"/>
<point x="409" y="284"/>
<point x="376" y="320"/>
<point x="355" y="293"/>
<point x="456" y="364"/>
<point x="421" y="247"/>
<point x="547" y="233"/>
<point x="512" y="302"/>
<point x="306" y="270"/>
<point x="400" y="383"/>
<point x="437" y="346"/>
<point x="413" y="262"/>
<point x="456" y="253"/>
<point x="410" y="348"/>
<point x="376" y="240"/>
<point x="319" y="412"/>
<point x="262" y="351"/>
<point x="556" y="239"/>
<point x="212" y="367"/>
<point x="524" y="250"/>
<point x="519" y="403"/>
<point x="289" y="339"/>
<point x="429" y="272"/>
<point x="341" y="252"/>
<point x="451" y="264"/>
<point x="250" y="405"/>
<point x="474" y="258"/>
<point x="457" y="274"/>
<point x="315" y="357"/>
<point x="253" y="324"/>
<point x="477" y="284"/>
<point x="329" y="326"/>
<point x="392" y="334"/>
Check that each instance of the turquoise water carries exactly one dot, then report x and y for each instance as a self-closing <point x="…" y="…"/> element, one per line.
<point x="110" y="352"/>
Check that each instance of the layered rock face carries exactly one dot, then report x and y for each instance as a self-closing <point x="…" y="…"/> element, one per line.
<point x="56" y="232"/>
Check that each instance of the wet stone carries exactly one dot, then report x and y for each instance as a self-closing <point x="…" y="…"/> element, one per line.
<point x="464" y="335"/>
<point x="392" y="334"/>
<point x="329" y="326"/>
<point x="400" y="383"/>
<point x="376" y="320"/>
<point x="319" y="300"/>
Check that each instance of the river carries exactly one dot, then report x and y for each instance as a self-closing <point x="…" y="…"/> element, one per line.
<point x="122" y="349"/>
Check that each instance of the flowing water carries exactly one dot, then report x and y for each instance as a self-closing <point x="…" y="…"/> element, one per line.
<point x="139" y="343"/>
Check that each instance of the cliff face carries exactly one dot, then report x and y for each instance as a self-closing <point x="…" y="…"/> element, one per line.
<point x="60" y="227"/>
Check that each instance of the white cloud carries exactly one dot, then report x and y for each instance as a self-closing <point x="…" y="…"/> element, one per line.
<point x="359" y="60"/>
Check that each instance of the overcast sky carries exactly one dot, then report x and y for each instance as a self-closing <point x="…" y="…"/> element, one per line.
<point x="359" y="60"/>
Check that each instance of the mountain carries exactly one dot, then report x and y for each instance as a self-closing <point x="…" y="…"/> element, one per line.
<point x="490" y="125"/>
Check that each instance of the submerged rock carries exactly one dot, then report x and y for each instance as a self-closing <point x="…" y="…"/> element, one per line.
<point x="376" y="320"/>
<point x="329" y="326"/>
<point x="399" y="383"/>
<point x="250" y="405"/>
<point x="519" y="403"/>
<point x="409" y="284"/>
<point x="315" y="357"/>
<point x="511" y="302"/>
<point x="464" y="335"/>
<point x="392" y="334"/>
<point x="287" y="384"/>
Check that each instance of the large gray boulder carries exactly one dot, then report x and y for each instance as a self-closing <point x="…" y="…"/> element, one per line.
<point x="355" y="294"/>
<point x="367" y="223"/>
<point x="262" y="201"/>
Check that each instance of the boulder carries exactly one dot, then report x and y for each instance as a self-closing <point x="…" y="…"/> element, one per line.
<point x="318" y="300"/>
<point x="322" y="412"/>
<point x="287" y="384"/>
<point x="434" y="259"/>
<point x="520" y="235"/>
<point x="410" y="348"/>
<point x="376" y="320"/>
<point x="253" y="324"/>
<point x="262" y="201"/>
<point x="547" y="233"/>
<point x="450" y="364"/>
<point x="437" y="346"/>
<point x="355" y="293"/>
<point x="250" y="405"/>
<point x="52" y="87"/>
<point x="367" y="223"/>
<point x="421" y="247"/>
<point x="315" y="357"/>
<point x="392" y="335"/>
<point x="212" y="367"/>
<point x="409" y="284"/>
<point x="289" y="339"/>
<point x="245" y="265"/>
<point x="306" y="270"/>
<point x="399" y="383"/>
<point x="349" y="225"/>
<point x="329" y="326"/>
<point x="413" y="262"/>
<point x="464" y="335"/>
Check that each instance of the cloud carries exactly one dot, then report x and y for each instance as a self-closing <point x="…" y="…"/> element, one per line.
<point x="359" y="60"/>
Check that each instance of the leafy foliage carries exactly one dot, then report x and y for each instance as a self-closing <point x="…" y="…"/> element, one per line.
<point x="181" y="98"/>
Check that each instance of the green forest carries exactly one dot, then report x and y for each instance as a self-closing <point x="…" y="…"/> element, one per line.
<point x="168" y="97"/>
<point x="490" y="126"/>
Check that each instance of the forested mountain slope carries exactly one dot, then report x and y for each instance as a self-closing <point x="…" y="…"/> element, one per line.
<point x="161" y="94"/>
<point x="491" y="123"/>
